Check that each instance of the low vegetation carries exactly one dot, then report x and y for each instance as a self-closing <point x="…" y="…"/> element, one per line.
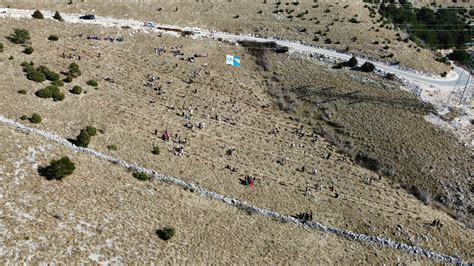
<point x="35" y="118"/>
<point x="50" y="91"/>
<point x="37" y="15"/>
<point x="112" y="147"/>
<point x="141" y="176"/>
<point x="53" y="38"/>
<point x="155" y="150"/>
<point x="166" y="233"/>
<point x="19" y="36"/>
<point x="1" y="47"/>
<point x="76" y="89"/>
<point x="58" y="169"/>
<point x="57" y="16"/>
<point x="28" y="50"/>
<point x="84" y="137"/>
<point x="92" y="83"/>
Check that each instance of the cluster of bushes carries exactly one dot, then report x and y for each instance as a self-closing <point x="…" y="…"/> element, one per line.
<point x="40" y="74"/>
<point x="73" y="72"/>
<point x="352" y="63"/>
<point x="19" y="36"/>
<point x="441" y="28"/>
<point x="50" y="91"/>
<point x="84" y="137"/>
<point x="58" y="169"/>
<point x="35" y="118"/>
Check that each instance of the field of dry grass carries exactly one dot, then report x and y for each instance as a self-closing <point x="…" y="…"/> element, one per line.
<point x="127" y="114"/>
<point x="324" y="20"/>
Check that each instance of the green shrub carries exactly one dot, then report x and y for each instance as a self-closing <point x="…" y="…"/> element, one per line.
<point x="92" y="131"/>
<point x="367" y="67"/>
<point x="36" y="76"/>
<point x="1" y="47"/>
<point x="155" y="150"/>
<point x="83" y="139"/>
<point x="22" y="91"/>
<point x="20" y="36"/>
<point x="50" y="75"/>
<point x="166" y="233"/>
<point x="11" y="57"/>
<point x="112" y="147"/>
<point x="444" y="74"/>
<point x="57" y="16"/>
<point x="50" y="91"/>
<point x="352" y="62"/>
<point x="53" y="38"/>
<point x="76" y="89"/>
<point x="38" y="15"/>
<point x="92" y="83"/>
<point x="141" y="176"/>
<point x="57" y="83"/>
<point x="74" y="70"/>
<point x="29" y="50"/>
<point x="58" y="169"/>
<point x="354" y="20"/>
<point x="24" y="117"/>
<point x="68" y="79"/>
<point x="35" y="118"/>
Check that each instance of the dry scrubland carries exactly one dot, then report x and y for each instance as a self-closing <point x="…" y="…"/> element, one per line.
<point x="103" y="202"/>
<point x="329" y="18"/>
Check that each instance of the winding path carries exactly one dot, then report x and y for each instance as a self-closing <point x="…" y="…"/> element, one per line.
<point x="458" y="77"/>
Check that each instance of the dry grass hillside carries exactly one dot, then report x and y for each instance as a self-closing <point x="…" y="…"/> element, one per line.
<point x="115" y="215"/>
<point x="326" y="23"/>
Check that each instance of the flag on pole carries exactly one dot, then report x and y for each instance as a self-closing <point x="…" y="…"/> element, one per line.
<point x="233" y="60"/>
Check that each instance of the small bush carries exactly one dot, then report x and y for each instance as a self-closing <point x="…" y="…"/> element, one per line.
<point x="57" y="16"/>
<point x="58" y="169"/>
<point x="92" y="131"/>
<point x="19" y="36"/>
<point x="419" y="193"/>
<point x="83" y="139"/>
<point x="444" y="74"/>
<point x="112" y="147"/>
<point x="368" y="161"/>
<point x="352" y="62"/>
<point x="22" y="91"/>
<point x="35" y="118"/>
<point x="36" y="76"/>
<point x="166" y="233"/>
<point x="367" y="67"/>
<point x="29" y="50"/>
<point x="74" y="70"/>
<point x="1" y="47"/>
<point x="57" y="83"/>
<point x="24" y="117"/>
<point x="50" y="91"/>
<point x="156" y="150"/>
<point x="354" y="20"/>
<point x="68" y="79"/>
<point x="53" y="38"/>
<point x="92" y="83"/>
<point x="141" y="176"/>
<point x="76" y="89"/>
<point x="38" y="15"/>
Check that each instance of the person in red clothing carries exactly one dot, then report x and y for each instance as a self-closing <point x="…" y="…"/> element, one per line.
<point x="250" y="182"/>
<point x="166" y="136"/>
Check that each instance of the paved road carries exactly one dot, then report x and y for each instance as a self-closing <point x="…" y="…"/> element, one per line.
<point x="457" y="78"/>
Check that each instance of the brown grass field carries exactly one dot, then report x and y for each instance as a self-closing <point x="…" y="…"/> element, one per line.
<point x="104" y="214"/>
